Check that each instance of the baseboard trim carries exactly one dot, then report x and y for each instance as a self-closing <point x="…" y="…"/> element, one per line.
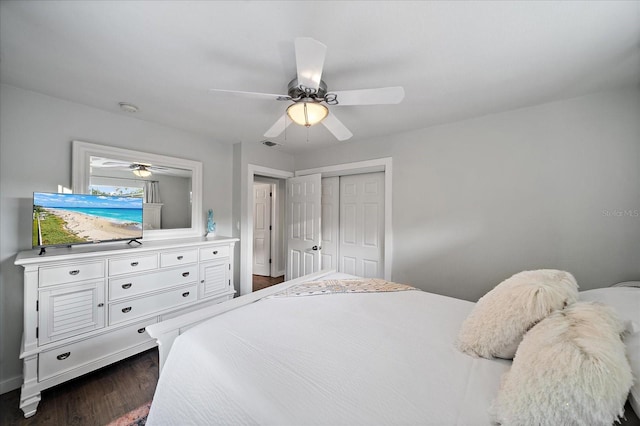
<point x="278" y="274"/>
<point x="10" y="384"/>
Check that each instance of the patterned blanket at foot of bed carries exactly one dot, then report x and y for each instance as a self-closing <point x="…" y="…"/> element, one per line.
<point x="364" y="285"/>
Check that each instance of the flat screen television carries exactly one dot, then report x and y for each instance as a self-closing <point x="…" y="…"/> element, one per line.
<point x="68" y="219"/>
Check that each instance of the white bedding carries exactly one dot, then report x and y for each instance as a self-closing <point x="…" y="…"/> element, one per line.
<point x="365" y="358"/>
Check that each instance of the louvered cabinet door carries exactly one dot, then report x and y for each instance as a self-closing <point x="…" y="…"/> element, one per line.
<point x="67" y="311"/>
<point x="214" y="278"/>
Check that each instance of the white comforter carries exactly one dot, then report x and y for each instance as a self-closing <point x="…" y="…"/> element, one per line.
<point x="378" y="358"/>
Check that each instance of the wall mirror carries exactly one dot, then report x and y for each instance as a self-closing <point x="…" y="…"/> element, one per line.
<point x="171" y="187"/>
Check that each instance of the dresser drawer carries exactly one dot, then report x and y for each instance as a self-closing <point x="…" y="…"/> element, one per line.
<point x="211" y="253"/>
<point x="144" y="283"/>
<point x="60" y="360"/>
<point x="70" y="273"/>
<point x="176" y="258"/>
<point x="131" y="309"/>
<point x="132" y="264"/>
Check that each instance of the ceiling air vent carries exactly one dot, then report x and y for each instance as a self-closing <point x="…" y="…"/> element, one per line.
<point x="269" y="143"/>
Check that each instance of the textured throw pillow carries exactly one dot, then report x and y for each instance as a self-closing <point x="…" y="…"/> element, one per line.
<point x="625" y="299"/>
<point x="570" y="369"/>
<point x="495" y="326"/>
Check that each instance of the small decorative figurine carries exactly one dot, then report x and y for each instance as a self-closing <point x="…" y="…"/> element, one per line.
<point x="211" y="225"/>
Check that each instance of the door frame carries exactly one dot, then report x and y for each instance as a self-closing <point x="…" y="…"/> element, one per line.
<point x="277" y="267"/>
<point x="246" y="222"/>
<point x="246" y="208"/>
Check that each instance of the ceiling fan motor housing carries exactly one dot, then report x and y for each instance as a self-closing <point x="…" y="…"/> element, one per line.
<point x="297" y="91"/>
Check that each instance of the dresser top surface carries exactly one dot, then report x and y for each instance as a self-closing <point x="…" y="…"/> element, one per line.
<point x="87" y="251"/>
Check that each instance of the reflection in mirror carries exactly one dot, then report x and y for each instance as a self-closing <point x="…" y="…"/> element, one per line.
<point x="171" y="187"/>
<point x="166" y="190"/>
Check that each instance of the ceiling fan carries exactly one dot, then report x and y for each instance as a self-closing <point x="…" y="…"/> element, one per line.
<point x="311" y="98"/>
<point x="138" y="169"/>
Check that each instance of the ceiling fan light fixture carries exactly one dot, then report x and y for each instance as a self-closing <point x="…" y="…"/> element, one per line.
<point x="142" y="172"/>
<point x="307" y="112"/>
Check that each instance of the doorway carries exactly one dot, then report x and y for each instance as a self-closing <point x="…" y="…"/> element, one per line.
<point x="246" y="208"/>
<point x="268" y="226"/>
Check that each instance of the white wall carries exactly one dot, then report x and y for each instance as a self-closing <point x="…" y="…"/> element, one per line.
<point x="256" y="154"/>
<point x="35" y="155"/>
<point x="477" y="201"/>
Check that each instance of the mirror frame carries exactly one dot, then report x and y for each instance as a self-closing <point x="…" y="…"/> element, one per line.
<point x="80" y="175"/>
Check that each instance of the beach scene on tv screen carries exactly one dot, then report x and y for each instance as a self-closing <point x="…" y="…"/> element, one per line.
<point x="66" y="219"/>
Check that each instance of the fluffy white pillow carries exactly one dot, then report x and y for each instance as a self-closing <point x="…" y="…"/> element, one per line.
<point x="495" y="326"/>
<point x="570" y="369"/>
<point x="626" y="302"/>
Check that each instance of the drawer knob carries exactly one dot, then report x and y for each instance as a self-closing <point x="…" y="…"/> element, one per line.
<point x="74" y="272"/>
<point x="141" y="330"/>
<point x="215" y="252"/>
<point x="185" y="294"/>
<point x="179" y="257"/>
<point x="126" y="286"/>
<point x="127" y="309"/>
<point x="134" y="263"/>
<point x="63" y="356"/>
<point x="100" y="305"/>
<point x="185" y="274"/>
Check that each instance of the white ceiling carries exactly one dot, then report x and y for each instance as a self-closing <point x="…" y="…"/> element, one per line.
<point x="456" y="60"/>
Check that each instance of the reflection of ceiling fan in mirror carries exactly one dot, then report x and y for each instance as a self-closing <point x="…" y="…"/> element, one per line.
<point x="311" y="97"/>
<point x="138" y="169"/>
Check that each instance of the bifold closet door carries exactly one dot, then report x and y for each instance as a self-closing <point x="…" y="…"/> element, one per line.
<point x="330" y="222"/>
<point x="361" y="248"/>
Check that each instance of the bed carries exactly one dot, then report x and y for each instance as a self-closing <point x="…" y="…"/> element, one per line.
<point x="323" y="354"/>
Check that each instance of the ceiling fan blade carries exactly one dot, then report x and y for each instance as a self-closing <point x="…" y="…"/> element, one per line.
<point x="381" y="96"/>
<point x="255" y="94"/>
<point x="310" y="56"/>
<point x="278" y="127"/>
<point x="108" y="166"/>
<point x="336" y="127"/>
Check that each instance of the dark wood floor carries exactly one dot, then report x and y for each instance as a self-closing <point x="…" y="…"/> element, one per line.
<point x="260" y="282"/>
<point x="96" y="398"/>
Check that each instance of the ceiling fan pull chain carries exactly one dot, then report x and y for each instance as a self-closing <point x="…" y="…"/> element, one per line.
<point x="285" y="127"/>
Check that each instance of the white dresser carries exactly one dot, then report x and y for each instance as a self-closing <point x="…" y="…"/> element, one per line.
<point x="87" y="306"/>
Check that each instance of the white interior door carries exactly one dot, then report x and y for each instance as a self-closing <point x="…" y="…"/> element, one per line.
<point x="303" y="226"/>
<point x="330" y="222"/>
<point x="262" y="229"/>
<point x="361" y="249"/>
